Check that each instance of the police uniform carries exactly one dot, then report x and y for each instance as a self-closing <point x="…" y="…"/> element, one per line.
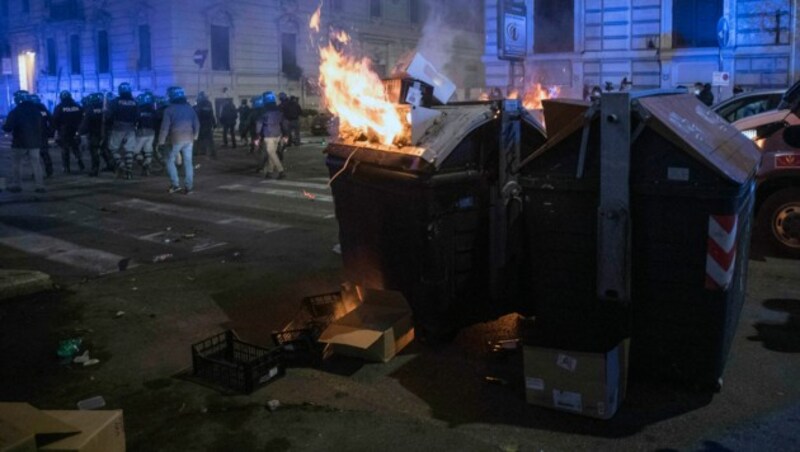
<point x="91" y="130"/>
<point x="67" y="119"/>
<point x="145" y="131"/>
<point x="47" y="132"/>
<point x="123" y="114"/>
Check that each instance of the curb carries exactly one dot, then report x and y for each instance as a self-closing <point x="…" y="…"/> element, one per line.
<point x="17" y="283"/>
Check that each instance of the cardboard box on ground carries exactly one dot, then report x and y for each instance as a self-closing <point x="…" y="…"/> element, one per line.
<point x="24" y="428"/>
<point x="588" y="383"/>
<point x="376" y="330"/>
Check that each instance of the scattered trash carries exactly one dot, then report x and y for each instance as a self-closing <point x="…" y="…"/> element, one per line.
<point x="167" y="240"/>
<point x="191" y="278"/>
<point x="119" y="314"/>
<point x="337" y="248"/>
<point x="273" y="405"/>
<point x="82" y="358"/>
<point x="310" y="196"/>
<point x="123" y="264"/>
<point x="161" y="258"/>
<point x="92" y="403"/>
<point x="197" y="166"/>
<point x="237" y="254"/>
<point x="134" y="288"/>
<point x="69" y="347"/>
<point x="169" y="228"/>
<point x="183" y="406"/>
<point x="189" y="236"/>
<point x="91" y="362"/>
<point x="505" y="345"/>
<point x="496" y="381"/>
<point x="204" y="410"/>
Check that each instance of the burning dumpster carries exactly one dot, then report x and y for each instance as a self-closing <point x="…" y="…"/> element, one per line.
<point x="638" y="213"/>
<point x="431" y="219"/>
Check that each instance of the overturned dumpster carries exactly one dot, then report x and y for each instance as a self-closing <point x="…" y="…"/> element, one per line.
<point x="637" y="214"/>
<point x="438" y="220"/>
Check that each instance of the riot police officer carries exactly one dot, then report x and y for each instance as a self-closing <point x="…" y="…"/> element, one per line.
<point x="47" y="133"/>
<point x="123" y="114"/>
<point x="66" y="121"/>
<point x="145" y="130"/>
<point x="91" y="130"/>
<point x="205" y="113"/>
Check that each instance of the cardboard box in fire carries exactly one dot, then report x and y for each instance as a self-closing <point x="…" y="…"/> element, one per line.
<point x="24" y="428"/>
<point x="376" y="330"/>
<point x="422" y="69"/>
<point x="589" y="384"/>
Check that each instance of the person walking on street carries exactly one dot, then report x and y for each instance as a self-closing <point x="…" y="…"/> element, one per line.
<point x="123" y="113"/>
<point x="270" y="131"/>
<point x="145" y="130"/>
<point x="244" y="117"/>
<point x="91" y="130"/>
<point x="252" y="123"/>
<point x="67" y="119"/>
<point x="291" y="113"/>
<point x="24" y="122"/>
<point x="706" y="96"/>
<point x="181" y="126"/>
<point x="47" y="133"/>
<point x="205" y="113"/>
<point x="228" y="120"/>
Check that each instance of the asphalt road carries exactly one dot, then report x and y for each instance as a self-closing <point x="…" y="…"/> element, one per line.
<point x="240" y="253"/>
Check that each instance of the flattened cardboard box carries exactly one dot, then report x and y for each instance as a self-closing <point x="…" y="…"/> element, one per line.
<point x="589" y="384"/>
<point x="375" y="331"/>
<point x="25" y="428"/>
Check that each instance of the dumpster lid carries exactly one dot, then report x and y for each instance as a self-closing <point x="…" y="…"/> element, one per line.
<point x="700" y="132"/>
<point x="454" y="124"/>
<point x="560" y="115"/>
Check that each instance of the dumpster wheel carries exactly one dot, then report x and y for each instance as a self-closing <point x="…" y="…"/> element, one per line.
<point x="780" y="216"/>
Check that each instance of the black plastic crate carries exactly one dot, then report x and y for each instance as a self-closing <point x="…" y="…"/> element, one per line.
<point x="228" y="362"/>
<point x="300" y="347"/>
<point x="328" y="306"/>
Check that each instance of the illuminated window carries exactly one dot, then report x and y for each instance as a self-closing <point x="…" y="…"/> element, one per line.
<point x="52" y="57"/>
<point x="694" y="23"/>
<point x="375" y="8"/>
<point x="75" y="54"/>
<point x="103" y="53"/>
<point x="553" y="25"/>
<point x="220" y="48"/>
<point x="145" y="56"/>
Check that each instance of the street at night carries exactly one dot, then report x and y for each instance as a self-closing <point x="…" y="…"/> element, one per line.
<point x="456" y="225"/>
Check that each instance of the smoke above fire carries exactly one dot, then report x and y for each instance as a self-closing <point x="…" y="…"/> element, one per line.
<point x="450" y="28"/>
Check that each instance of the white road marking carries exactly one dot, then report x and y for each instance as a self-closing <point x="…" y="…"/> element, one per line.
<point x="61" y="251"/>
<point x="293" y="194"/>
<point x="291" y="183"/>
<point x="205" y="216"/>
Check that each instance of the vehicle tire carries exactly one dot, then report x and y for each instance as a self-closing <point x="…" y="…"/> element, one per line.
<point x="779" y="219"/>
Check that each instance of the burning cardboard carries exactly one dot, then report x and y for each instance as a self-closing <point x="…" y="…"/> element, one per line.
<point x="422" y="69"/>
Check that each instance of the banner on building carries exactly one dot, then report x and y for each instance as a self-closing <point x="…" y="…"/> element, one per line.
<point x="512" y="30"/>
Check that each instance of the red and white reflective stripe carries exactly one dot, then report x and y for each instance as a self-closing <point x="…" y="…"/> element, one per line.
<point x="721" y="258"/>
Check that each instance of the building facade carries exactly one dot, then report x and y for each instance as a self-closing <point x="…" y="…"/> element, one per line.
<point x="245" y="46"/>
<point x="578" y="44"/>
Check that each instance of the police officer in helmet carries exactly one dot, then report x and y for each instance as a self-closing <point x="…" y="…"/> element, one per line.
<point x="123" y="114"/>
<point x="67" y="119"/>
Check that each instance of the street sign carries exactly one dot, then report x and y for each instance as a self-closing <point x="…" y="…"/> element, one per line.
<point x="723" y="32"/>
<point x="721" y="79"/>
<point x="200" y="58"/>
<point x="512" y="30"/>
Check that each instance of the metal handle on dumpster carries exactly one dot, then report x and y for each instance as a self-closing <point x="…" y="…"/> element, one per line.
<point x="505" y="211"/>
<point x="613" y="219"/>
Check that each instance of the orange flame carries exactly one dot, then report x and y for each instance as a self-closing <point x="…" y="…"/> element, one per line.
<point x="536" y="94"/>
<point x="356" y="95"/>
<point x="315" y="18"/>
<point x="342" y="37"/>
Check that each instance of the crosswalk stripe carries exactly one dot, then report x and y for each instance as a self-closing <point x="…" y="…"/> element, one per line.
<point x="205" y="216"/>
<point x="290" y="183"/>
<point x="61" y="251"/>
<point x="293" y="194"/>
